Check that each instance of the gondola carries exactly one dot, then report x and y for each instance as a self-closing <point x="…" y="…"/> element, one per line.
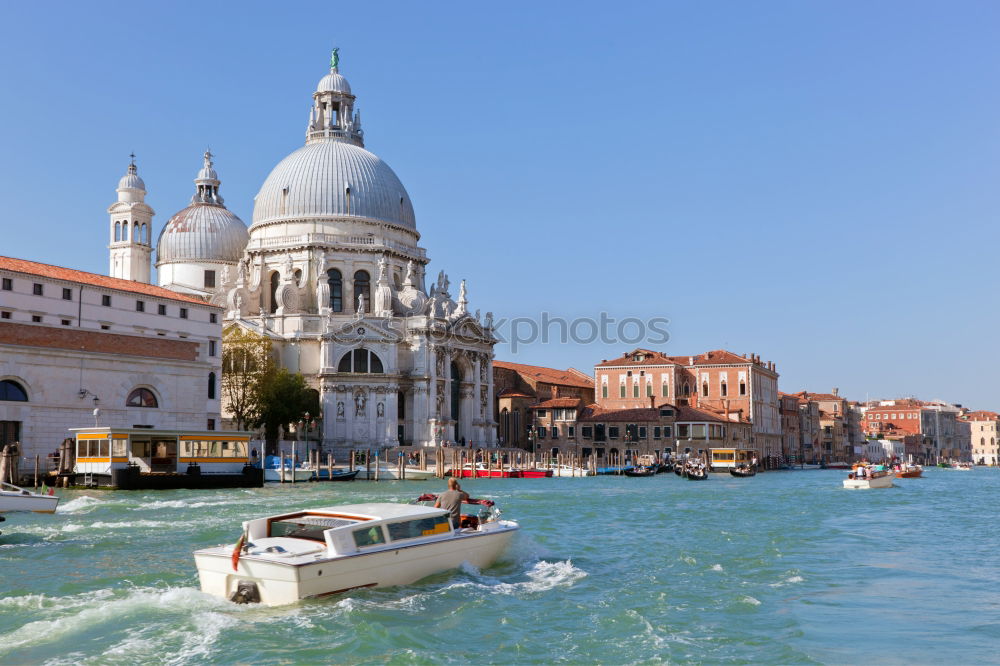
<point x="641" y="471"/>
<point x="696" y="475"/>
<point x="742" y="472"/>
<point x="679" y="469"/>
<point x="664" y="468"/>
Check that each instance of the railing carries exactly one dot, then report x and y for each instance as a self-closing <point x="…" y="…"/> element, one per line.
<point x="348" y="240"/>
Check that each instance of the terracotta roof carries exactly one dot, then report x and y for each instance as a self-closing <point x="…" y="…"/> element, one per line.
<point x="513" y="393"/>
<point x="593" y="413"/>
<point x="981" y="415"/>
<point x="93" y="279"/>
<point x="688" y="413"/>
<point x="650" y="357"/>
<point x="557" y="403"/>
<point x="569" y="377"/>
<point x="714" y="357"/>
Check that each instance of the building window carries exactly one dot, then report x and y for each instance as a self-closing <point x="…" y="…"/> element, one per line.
<point x="587" y="432"/>
<point x="666" y="412"/>
<point x="141" y="397"/>
<point x="687" y="389"/>
<point x="622" y="391"/>
<point x="723" y="389"/>
<point x="275" y="279"/>
<point x="140" y="306"/>
<point x="5" y="315"/>
<point x="336" y="283"/>
<point x="572" y="432"/>
<point x="642" y="432"/>
<point x="37" y="319"/>
<point x="210" y="424"/>
<point x="604" y="391"/>
<point x="184" y="313"/>
<point x="37" y="289"/>
<point x="106" y="300"/>
<point x="65" y="322"/>
<point x="8" y="284"/>
<point x="743" y="388"/>
<point x="105" y="327"/>
<point x="541" y="432"/>
<point x="67" y="294"/>
<point x="211" y="347"/>
<point x="12" y="391"/>
<point x="656" y="432"/>
<point x="360" y="361"/>
<point x="541" y="413"/>
<point x="635" y="390"/>
<point x="667" y="431"/>
<point x="211" y="386"/>
<point x="362" y="287"/>
<point x="555" y="432"/>
<point x="213" y="318"/>
<point x="649" y="390"/>
<point x="613" y="432"/>
<point x="704" y="389"/>
<point x="209" y="279"/>
<point x="161" y="309"/>
<point x="664" y="390"/>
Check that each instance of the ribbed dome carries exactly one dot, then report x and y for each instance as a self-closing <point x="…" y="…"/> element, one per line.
<point x="202" y="232"/>
<point x="131" y="180"/>
<point x="333" y="82"/>
<point x="313" y="182"/>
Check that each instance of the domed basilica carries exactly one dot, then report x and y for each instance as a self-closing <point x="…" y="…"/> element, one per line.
<point x="331" y="271"/>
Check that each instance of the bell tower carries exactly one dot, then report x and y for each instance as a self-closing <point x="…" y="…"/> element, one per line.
<point x="131" y="229"/>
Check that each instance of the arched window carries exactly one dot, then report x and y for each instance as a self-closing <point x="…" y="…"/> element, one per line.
<point x="704" y="389"/>
<point x="360" y="361"/>
<point x="687" y="389"/>
<point x="362" y="286"/>
<point x="144" y="236"/>
<point x="336" y="282"/>
<point x="982" y="441"/>
<point x="743" y="387"/>
<point x="141" y="397"/>
<point x="396" y="281"/>
<point x="723" y="389"/>
<point x="136" y="238"/>
<point x="347" y="200"/>
<point x="274" y="292"/>
<point x="11" y="390"/>
<point x="124" y="230"/>
<point x="211" y="386"/>
<point x="118" y="231"/>
<point x="298" y="277"/>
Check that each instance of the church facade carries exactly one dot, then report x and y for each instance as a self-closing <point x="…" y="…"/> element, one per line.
<point x="331" y="271"/>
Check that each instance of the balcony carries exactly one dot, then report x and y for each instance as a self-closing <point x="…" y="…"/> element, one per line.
<point x="336" y="240"/>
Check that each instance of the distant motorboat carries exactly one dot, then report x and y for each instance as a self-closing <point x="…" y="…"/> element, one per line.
<point x="837" y="465"/>
<point x="869" y="476"/>
<point x="910" y="472"/>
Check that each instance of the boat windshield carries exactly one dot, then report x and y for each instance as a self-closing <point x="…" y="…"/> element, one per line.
<point x="307" y="527"/>
<point x="421" y="527"/>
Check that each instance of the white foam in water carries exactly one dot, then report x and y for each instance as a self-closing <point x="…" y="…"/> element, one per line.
<point x="79" y="505"/>
<point x="716" y="567"/>
<point x="747" y="599"/>
<point x="99" y="609"/>
<point x="794" y="579"/>
<point x="544" y="576"/>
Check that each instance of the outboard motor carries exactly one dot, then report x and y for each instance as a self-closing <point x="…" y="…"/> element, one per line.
<point x="246" y="593"/>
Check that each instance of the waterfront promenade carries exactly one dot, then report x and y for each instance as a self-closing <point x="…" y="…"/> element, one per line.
<point x="784" y="568"/>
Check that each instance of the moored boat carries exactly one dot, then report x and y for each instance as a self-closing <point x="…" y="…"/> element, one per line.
<point x="14" y="498"/>
<point x="534" y="473"/>
<point x="743" y="472"/>
<point x="311" y="553"/>
<point x="836" y="465"/>
<point x="387" y="472"/>
<point x="642" y="470"/>
<point x="696" y="474"/>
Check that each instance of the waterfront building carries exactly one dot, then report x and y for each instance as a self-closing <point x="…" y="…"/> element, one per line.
<point x="72" y="341"/>
<point x="937" y="423"/>
<point x="520" y="387"/>
<point x="791" y="431"/>
<point x="984" y="433"/>
<point x="721" y="381"/>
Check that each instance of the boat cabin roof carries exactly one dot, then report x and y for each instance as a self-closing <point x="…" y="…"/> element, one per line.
<point x="378" y="511"/>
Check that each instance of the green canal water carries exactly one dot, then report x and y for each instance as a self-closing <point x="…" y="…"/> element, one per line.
<point x="783" y="568"/>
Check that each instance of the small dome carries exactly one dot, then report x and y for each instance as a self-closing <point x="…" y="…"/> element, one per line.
<point x="131" y="180"/>
<point x="333" y="82"/>
<point x="202" y="232"/>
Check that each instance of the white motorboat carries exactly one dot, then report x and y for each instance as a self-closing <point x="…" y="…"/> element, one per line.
<point x="319" y="552"/>
<point x="570" y="470"/>
<point x="15" y="498"/>
<point x="391" y="473"/>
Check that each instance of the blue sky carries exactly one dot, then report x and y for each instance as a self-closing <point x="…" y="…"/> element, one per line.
<point x="815" y="182"/>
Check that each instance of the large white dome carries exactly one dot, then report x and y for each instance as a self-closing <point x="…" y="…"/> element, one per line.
<point x="202" y="232"/>
<point x="332" y="178"/>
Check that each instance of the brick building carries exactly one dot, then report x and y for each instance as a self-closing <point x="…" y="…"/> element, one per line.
<point x="984" y="433"/>
<point x="520" y="387"/>
<point x="736" y="387"/>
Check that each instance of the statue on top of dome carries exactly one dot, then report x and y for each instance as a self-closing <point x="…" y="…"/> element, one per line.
<point x="335" y="57"/>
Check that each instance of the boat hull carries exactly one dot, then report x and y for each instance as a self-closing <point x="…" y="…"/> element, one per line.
<point x="389" y="473"/>
<point x="909" y="475"/>
<point x="878" y="482"/>
<point x="280" y="583"/>
<point x="277" y="475"/>
<point x="742" y="474"/>
<point x="534" y="473"/>
<point x="15" y="501"/>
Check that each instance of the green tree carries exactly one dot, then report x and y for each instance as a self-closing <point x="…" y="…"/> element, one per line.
<point x="281" y="398"/>
<point x="246" y="361"/>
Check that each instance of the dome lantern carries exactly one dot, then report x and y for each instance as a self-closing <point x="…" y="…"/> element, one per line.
<point x="332" y="115"/>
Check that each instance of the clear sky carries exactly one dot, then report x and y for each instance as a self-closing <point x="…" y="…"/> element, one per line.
<point x="814" y="182"/>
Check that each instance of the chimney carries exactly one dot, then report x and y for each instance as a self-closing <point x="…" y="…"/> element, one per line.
<point x="690" y="360"/>
<point x="555" y="391"/>
<point x="652" y="402"/>
<point x="836" y="391"/>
